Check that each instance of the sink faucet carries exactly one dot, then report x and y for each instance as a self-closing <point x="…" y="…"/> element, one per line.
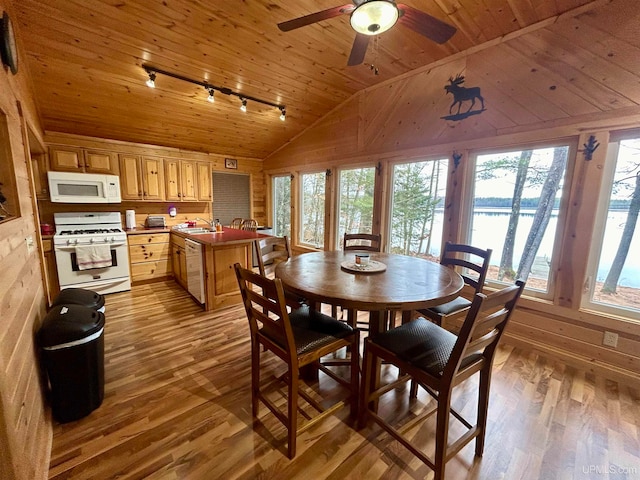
<point x="209" y="222"/>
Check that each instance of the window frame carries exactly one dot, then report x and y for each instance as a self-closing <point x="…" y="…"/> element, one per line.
<point x="300" y="194"/>
<point x="597" y="238"/>
<point x="567" y="180"/>
<point x="273" y="178"/>
<point x="376" y="185"/>
<point x="390" y="192"/>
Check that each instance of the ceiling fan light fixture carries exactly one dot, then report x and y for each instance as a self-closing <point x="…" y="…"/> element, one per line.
<point x="374" y="17"/>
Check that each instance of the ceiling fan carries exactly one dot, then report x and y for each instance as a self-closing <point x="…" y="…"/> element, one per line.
<point x="372" y="17"/>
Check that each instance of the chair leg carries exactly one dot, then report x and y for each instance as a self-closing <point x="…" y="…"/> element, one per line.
<point x="255" y="377"/>
<point x="292" y="412"/>
<point x="442" y="434"/>
<point x="355" y="375"/>
<point x="365" y="388"/>
<point x="483" y="407"/>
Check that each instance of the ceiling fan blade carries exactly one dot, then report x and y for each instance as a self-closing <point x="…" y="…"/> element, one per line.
<point x="315" y="17"/>
<point x="425" y="24"/>
<point x="358" y="50"/>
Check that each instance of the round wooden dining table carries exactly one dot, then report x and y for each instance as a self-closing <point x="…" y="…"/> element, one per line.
<point x="406" y="283"/>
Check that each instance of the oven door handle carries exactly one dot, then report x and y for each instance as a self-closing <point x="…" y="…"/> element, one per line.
<point x="72" y="247"/>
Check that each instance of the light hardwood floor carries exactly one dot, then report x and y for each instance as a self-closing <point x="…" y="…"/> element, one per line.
<point x="177" y="406"/>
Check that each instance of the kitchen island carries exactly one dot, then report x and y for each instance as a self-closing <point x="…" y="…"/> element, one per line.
<point x="221" y="250"/>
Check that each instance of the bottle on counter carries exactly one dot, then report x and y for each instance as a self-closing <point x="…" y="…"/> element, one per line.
<point x="218" y="225"/>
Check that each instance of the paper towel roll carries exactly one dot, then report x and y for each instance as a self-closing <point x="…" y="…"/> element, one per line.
<point x="130" y="219"/>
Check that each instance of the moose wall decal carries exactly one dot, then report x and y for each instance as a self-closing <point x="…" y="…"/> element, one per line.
<point x="463" y="94"/>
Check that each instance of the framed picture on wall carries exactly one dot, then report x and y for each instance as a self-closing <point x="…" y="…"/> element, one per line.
<point x="231" y="163"/>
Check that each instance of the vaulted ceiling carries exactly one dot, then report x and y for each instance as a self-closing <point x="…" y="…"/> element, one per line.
<point x="85" y="58"/>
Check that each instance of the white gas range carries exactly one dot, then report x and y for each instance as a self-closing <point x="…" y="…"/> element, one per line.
<point x="91" y="251"/>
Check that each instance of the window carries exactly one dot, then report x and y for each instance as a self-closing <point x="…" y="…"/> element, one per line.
<point x="515" y="207"/>
<point x="417" y="208"/>
<point x="614" y="283"/>
<point x="281" y="189"/>
<point x="312" y="201"/>
<point x="355" y="201"/>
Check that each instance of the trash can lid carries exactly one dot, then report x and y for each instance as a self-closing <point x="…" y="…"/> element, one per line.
<point x="68" y="323"/>
<point x="79" y="296"/>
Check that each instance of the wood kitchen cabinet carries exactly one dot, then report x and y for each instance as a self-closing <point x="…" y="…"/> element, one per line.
<point x="181" y="178"/>
<point x="141" y="178"/>
<point x="51" y="270"/>
<point x="40" y="180"/>
<point x="149" y="255"/>
<point x="72" y="159"/>
<point x="179" y="260"/>
<point x="204" y="182"/>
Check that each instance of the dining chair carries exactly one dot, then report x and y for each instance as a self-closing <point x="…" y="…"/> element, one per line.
<point x="472" y="264"/>
<point x="299" y="337"/>
<point x="439" y="360"/>
<point x="354" y="241"/>
<point x="271" y="251"/>
<point x="249" y="224"/>
<point x="236" y="223"/>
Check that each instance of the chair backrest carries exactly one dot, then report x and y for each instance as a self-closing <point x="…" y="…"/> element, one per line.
<point x="236" y="223"/>
<point x="270" y="252"/>
<point x="249" y="224"/>
<point x="362" y="241"/>
<point x="470" y="262"/>
<point x="265" y="304"/>
<point x="482" y="328"/>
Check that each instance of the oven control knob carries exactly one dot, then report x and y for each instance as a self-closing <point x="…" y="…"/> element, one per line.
<point x="91" y="241"/>
<point x="106" y="239"/>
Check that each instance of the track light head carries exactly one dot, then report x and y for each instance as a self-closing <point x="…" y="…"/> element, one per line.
<point x="151" y="82"/>
<point x="210" y="98"/>
<point x="243" y="107"/>
<point x="283" y="114"/>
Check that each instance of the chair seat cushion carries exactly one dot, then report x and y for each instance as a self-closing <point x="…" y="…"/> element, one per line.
<point x="455" y="305"/>
<point x="421" y="343"/>
<point x="312" y="329"/>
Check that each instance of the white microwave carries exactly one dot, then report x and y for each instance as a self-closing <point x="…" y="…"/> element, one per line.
<point x="69" y="187"/>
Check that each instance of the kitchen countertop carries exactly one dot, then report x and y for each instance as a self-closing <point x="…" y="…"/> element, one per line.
<point x="228" y="236"/>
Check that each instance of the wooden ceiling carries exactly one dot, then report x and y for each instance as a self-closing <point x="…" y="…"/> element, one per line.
<point x="85" y="58"/>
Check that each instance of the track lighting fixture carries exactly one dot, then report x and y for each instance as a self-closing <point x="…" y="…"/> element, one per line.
<point x="152" y="72"/>
<point x="151" y="82"/>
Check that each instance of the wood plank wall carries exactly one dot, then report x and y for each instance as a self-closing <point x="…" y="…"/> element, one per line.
<point x="25" y="426"/>
<point x="539" y="86"/>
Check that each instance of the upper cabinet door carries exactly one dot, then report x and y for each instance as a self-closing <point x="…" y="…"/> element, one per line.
<point x="188" y="174"/>
<point x="96" y="161"/>
<point x="172" y="179"/>
<point x="130" y="177"/>
<point x="153" y="178"/>
<point x="66" y="159"/>
<point x="204" y="182"/>
<point x="73" y="159"/>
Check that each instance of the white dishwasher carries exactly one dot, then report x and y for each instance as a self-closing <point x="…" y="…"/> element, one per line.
<point x="195" y="275"/>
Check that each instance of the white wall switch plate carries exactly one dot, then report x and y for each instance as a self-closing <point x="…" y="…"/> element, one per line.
<point x="610" y="339"/>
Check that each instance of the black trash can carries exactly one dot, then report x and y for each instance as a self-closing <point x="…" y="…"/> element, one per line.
<point x="72" y="343"/>
<point x="80" y="296"/>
